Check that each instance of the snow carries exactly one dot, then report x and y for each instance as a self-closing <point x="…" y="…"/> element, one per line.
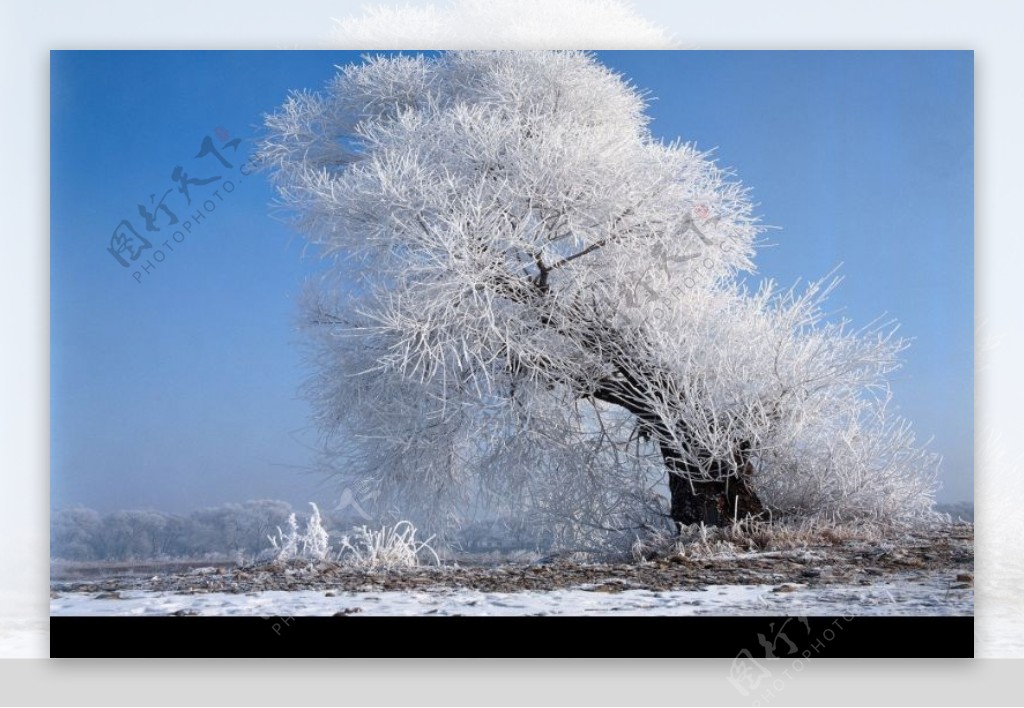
<point x="24" y="637"/>
<point x="884" y="598"/>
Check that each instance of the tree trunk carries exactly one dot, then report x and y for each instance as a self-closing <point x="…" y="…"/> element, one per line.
<point x="715" y="499"/>
<point x="713" y="502"/>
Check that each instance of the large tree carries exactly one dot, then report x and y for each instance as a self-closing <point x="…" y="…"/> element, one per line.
<point x="532" y="304"/>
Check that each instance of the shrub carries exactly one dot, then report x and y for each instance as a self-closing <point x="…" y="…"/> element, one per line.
<point x="389" y="547"/>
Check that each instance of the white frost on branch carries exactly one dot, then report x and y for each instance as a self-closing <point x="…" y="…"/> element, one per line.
<point x="533" y="305"/>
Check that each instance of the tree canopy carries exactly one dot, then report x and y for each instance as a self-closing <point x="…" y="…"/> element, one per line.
<point x="535" y="308"/>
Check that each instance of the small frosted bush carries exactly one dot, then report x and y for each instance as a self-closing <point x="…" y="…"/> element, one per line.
<point x="386" y="548"/>
<point x="312" y="544"/>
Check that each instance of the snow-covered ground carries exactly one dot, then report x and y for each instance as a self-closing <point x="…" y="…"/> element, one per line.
<point x="883" y="598"/>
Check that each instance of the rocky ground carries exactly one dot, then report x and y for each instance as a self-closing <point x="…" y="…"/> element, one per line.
<point x="943" y="554"/>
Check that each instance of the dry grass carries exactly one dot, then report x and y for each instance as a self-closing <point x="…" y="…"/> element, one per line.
<point x="387" y="548"/>
<point x="752" y="536"/>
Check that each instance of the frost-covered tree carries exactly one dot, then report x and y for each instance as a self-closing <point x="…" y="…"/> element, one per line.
<point x="536" y="308"/>
<point x="75" y="534"/>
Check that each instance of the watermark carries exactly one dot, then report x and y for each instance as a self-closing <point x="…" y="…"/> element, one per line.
<point x="279" y="624"/>
<point x="795" y="640"/>
<point x="347" y="501"/>
<point x="658" y="304"/>
<point x="179" y="209"/>
<point x="753" y="677"/>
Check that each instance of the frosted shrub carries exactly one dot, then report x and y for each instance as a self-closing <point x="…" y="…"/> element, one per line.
<point x="286" y="544"/>
<point x="386" y="548"/>
<point x="312" y="544"/>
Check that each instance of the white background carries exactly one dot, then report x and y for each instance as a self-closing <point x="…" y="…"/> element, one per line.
<point x="28" y="30"/>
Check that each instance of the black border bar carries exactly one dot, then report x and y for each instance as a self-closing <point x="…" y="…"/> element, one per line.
<point x="501" y="637"/>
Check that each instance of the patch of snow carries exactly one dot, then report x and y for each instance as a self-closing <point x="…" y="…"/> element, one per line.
<point x="901" y="597"/>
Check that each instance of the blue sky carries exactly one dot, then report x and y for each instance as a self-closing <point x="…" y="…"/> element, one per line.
<point x="179" y="389"/>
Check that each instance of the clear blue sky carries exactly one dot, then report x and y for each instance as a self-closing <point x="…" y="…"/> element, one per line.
<point x="181" y="390"/>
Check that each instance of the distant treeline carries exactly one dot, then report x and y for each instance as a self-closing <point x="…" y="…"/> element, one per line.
<point x="225" y="532"/>
<point x="958" y="510"/>
<point x="83" y="534"/>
